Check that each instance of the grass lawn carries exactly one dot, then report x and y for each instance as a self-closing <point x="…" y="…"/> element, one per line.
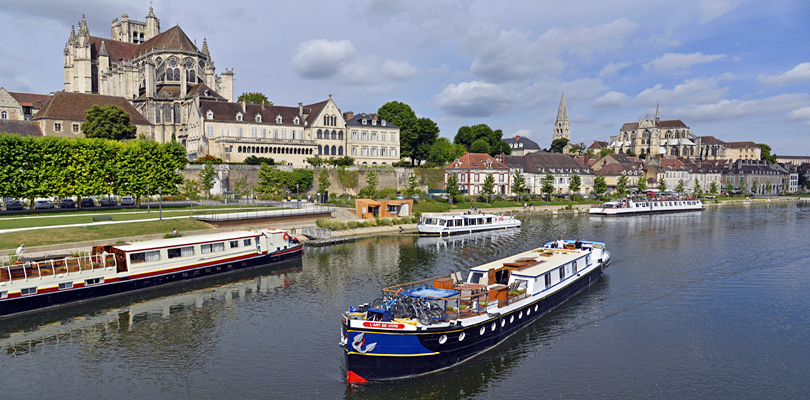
<point x="43" y="237"/>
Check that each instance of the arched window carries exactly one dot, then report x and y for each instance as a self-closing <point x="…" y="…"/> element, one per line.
<point x="320" y="134"/>
<point x="334" y="135"/>
<point x="177" y="113"/>
<point x="258" y="118"/>
<point x="319" y="149"/>
<point x="340" y="151"/>
<point x="158" y="111"/>
<point x="191" y="78"/>
<point x="334" y="150"/>
<point x="340" y="135"/>
<point x="239" y="116"/>
<point x="167" y="114"/>
<point x="239" y="149"/>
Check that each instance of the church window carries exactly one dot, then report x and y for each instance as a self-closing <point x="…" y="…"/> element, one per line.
<point x="4" y="115"/>
<point x="167" y="114"/>
<point x="334" y="135"/>
<point x="319" y="149"/>
<point x="158" y="111"/>
<point x="340" y="151"/>
<point x="191" y="78"/>
<point x="57" y="127"/>
<point x="340" y="135"/>
<point x="177" y="113"/>
<point x="320" y="134"/>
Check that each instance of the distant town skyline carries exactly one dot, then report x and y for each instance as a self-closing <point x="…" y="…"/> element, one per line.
<point x="726" y="68"/>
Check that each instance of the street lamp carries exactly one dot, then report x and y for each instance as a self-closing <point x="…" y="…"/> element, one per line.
<point x="160" y="205"/>
<point x="147" y="198"/>
<point x="297" y="196"/>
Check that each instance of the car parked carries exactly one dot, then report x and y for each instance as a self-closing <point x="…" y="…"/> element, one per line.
<point x="67" y="203"/>
<point x="431" y="196"/>
<point x="43" y="205"/>
<point x="107" y="201"/>
<point x="14" y="205"/>
<point x="127" y="201"/>
<point x="416" y="197"/>
<point x="400" y="196"/>
<point x="88" y="202"/>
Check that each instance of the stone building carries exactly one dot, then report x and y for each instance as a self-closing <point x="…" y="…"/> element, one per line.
<point x="562" y="167"/>
<point x="371" y="141"/>
<point x="17" y="106"/>
<point x="658" y="138"/>
<point x="744" y="174"/>
<point x="472" y="168"/>
<point x="562" y="130"/>
<point x="64" y="114"/>
<point x="522" y="145"/>
<point x="743" y="151"/>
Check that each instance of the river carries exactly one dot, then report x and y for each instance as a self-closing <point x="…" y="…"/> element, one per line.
<point x="710" y="304"/>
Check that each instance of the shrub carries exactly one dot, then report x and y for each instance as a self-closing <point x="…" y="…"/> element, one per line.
<point x="368" y="224"/>
<point x="384" y="222"/>
<point x="352" y="224"/>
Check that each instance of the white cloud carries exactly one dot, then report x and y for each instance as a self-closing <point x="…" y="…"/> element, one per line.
<point x="379" y="89"/>
<point x="730" y="110"/>
<point x="397" y="70"/>
<point x="713" y="9"/>
<point x="522" y="133"/>
<point x="322" y="59"/>
<point x="802" y="114"/>
<point x="799" y="74"/>
<point x="474" y="99"/>
<point x="678" y="61"/>
<point x="581" y="119"/>
<point x="610" y="70"/>
<point x="694" y="91"/>
<point x="611" y="100"/>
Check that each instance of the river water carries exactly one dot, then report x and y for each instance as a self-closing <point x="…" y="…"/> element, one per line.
<point x="694" y="305"/>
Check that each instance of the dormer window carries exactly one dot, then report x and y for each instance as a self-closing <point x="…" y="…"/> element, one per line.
<point x="258" y="118"/>
<point x="278" y="119"/>
<point x="364" y="122"/>
<point x="239" y="116"/>
<point x="382" y="122"/>
<point x="373" y="122"/>
<point x="295" y="120"/>
<point x="209" y="115"/>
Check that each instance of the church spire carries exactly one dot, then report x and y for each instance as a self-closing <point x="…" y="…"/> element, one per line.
<point x="657" y="114"/>
<point x="562" y="129"/>
<point x="562" y="113"/>
<point x="102" y="52"/>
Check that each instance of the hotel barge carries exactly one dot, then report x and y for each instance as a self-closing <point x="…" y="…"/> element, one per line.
<point x="446" y="225"/>
<point x="647" y="206"/>
<point x="34" y="283"/>
<point x="425" y="326"/>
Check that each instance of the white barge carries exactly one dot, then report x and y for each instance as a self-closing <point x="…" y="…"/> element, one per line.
<point x="647" y="206"/>
<point x="33" y="283"/>
<point x="433" y="324"/>
<point x="454" y="224"/>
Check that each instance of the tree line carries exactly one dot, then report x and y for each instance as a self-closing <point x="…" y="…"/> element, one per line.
<point x="32" y="167"/>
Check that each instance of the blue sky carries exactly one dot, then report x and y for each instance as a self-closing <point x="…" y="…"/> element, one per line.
<point x="734" y="69"/>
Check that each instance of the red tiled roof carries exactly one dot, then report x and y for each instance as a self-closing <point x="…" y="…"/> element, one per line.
<point x="30" y="99"/>
<point x="22" y="128"/>
<point x="479" y="159"/>
<point x="71" y="106"/>
<point x="710" y="140"/>
<point x="535" y="162"/>
<point x="226" y="111"/>
<point x="598" y="145"/>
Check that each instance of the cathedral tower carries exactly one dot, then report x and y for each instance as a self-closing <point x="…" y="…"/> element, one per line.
<point x="561" y="127"/>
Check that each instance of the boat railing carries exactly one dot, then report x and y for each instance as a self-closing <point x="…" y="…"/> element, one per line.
<point x="22" y="269"/>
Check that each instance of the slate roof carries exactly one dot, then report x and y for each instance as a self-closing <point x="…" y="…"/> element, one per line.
<point x="30" y="99"/>
<point x="174" y="38"/>
<point x="22" y="128"/>
<point x="358" y="120"/>
<point x="711" y="140"/>
<point x="227" y="111"/>
<point x="537" y="163"/>
<point x="476" y="161"/>
<point x="527" y="143"/>
<point x="619" y="169"/>
<point x="71" y="106"/>
<point x="742" y="145"/>
<point x="675" y="123"/>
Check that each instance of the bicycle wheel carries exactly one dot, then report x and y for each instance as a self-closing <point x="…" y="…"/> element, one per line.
<point x="436" y="315"/>
<point x="377" y="303"/>
<point x="425" y="319"/>
<point x="400" y="311"/>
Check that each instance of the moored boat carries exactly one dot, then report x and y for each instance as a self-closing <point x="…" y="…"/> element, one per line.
<point x="453" y="224"/>
<point x="429" y="325"/>
<point x="647" y="206"/>
<point x="33" y="283"/>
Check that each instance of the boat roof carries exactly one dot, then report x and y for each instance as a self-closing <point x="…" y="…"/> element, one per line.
<point x="186" y="240"/>
<point x="445" y="216"/>
<point x="535" y="262"/>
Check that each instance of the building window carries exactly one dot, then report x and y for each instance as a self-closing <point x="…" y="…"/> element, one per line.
<point x="476" y="177"/>
<point x="254" y="132"/>
<point x="354" y="135"/>
<point x="384" y="152"/>
<point x="334" y="150"/>
<point x="264" y="133"/>
<point x="278" y="119"/>
<point x="340" y="135"/>
<point x="364" y="151"/>
<point x="239" y="131"/>
<point x="340" y="151"/>
<point x="210" y="131"/>
<point x="57" y="127"/>
<point x="364" y="136"/>
<point x="4" y="115"/>
<point x="393" y="152"/>
<point x="177" y="113"/>
<point x="283" y="133"/>
<point x="75" y="128"/>
<point x="373" y="136"/>
<point x="500" y="177"/>
<point x="354" y="151"/>
<point x="258" y="118"/>
<point x="159" y="110"/>
<point x="239" y="117"/>
<point x="384" y="137"/>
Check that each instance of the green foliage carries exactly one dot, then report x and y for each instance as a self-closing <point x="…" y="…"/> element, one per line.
<point x="605" y="151"/>
<point x="630" y="153"/>
<point x="401" y="164"/>
<point x="207" y="178"/>
<point x="190" y="189"/>
<point x="344" y="161"/>
<point x="370" y="191"/>
<point x="519" y="184"/>
<point x="599" y="185"/>
<point x="480" y="146"/>
<point x="548" y="185"/>
<point x="323" y="181"/>
<point x="276" y="182"/>
<point x="401" y="115"/>
<point x="729" y="187"/>
<point x="300" y="179"/>
<point x="253" y="160"/>
<point x="241" y="187"/>
<point x="557" y="145"/>
<point x="108" y="122"/>
<point x="209" y="159"/>
<point x="488" y="187"/>
<point x="254" y="98"/>
<point x="679" y="188"/>
<point x="765" y="153"/>
<point x="575" y="184"/>
<point x="443" y="152"/>
<point x="662" y="185"/>
<point x="316" y="161"/>
<point x="697" y="189"/>
<point x="642" y="184"/>
<point x="426" y="134"/>
<point x="754" y="186"/>
<point x="621" y="186"/>
<point x="713" y="188"/>
<point x="347" y="178"/>
<point x="452" y="189"/>
<point x="578" y="148"/>
<point x="413" y="183"/>
<point x="467" y="135"/>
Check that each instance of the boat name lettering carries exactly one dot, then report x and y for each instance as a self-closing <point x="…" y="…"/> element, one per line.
<point x="382" y="325"/>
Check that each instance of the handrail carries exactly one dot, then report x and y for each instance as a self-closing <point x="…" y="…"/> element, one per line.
<point x="32" y="269"/>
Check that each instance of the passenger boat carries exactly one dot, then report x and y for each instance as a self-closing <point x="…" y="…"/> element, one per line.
<point x="434" y="324"/>
<point x="447" y="224"/>
<point x="34" y="283"/>
<point x="647" y="205"/>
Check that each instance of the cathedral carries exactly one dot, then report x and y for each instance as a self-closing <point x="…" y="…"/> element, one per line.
<point x="158" y="72"/>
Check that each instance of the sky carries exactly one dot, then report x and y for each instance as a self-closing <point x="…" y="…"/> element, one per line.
<point x="738" y="70"/>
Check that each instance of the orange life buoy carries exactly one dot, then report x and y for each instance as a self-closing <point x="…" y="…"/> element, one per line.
<point x="286" y="236"/>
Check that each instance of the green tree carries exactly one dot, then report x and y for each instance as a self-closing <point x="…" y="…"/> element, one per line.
<point x="254" y="160"/>
<point x="271" y="180"/>
<point x="578" y="148"/>
<point x="344" y="161"/>
<point x="254" y="98"/>
<point x="662" y="186"/>
<point x="190" y="189"/>
<point x="642" y="184"/>
<point x="207" y="178"/>
<point x="316" y="161"/>
<point x="480" y="146"/>
<point x="599" y="185"/>
<point x="754" y="186"/>
<point x="241" y="187"/>
<point x="679" y="188"/>
<point x="713" y="188"/>
<point x="443" y="152"/>
<point x="630" y="153"/>
<point x="488" y="187"/>
<point x="401" y="115"/>
<point x="548" y="185"/>
<point x="729" y="188"/>
<point x="621" y="185"/>
<point x="299" y="180"/>
<point x="451" y="187"/>
<point x="768" y="187"/>
<point x="605" y="151"/>
<point x="323" y="181"/>
<point x="413" y="183"/>
<point x="108" y="122"/>
<point x="370" y="191"/>
<point x="519" y="183"/>
<point x="467" y="135"/>
<point x="557" y="145"/>
<point x="347" y="178"/>
<point x="575" y="184"/>
<point x="698" y="191"/>
<point x="765" y="153"/>
<point x="427" y="132"/>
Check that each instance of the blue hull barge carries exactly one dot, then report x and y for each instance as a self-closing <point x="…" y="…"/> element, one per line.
<point x="425" y="326"/>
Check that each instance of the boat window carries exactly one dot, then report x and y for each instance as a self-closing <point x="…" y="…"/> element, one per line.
<point x="489" y="220"/>
<point x="65" y="285"/>
<point x="476" y="277"/>
<point x="27" y="291"/>
<point x="562" y="273"/>
<point x="234" y="243"/>
<point x="502" y="276"/>
<point x="146" y="256"/>
<point x="246" y="242"/>
<point x="587" y="260"/>
<point x="4" y="294"/>
<point x="187" y="251"/>
<point x="218" y="246"/>
<point x="574" y="267"/>
<point x="205" y="248"/>
<point x="548" y="280"/>
<point x="459" y="222"/>
<point x="174" y="253"/>
<point x="93" y="281"/>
